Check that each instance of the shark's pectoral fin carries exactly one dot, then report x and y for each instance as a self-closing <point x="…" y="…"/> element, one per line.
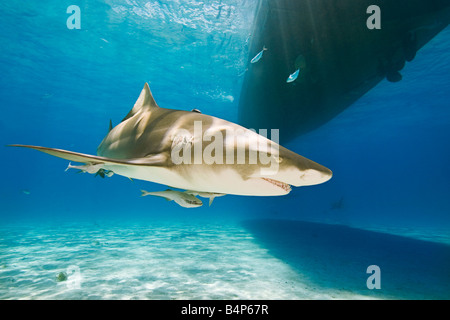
<point x="152" y="160"/>
<point x="68" y="155"/>
<point x="211" y="201"/>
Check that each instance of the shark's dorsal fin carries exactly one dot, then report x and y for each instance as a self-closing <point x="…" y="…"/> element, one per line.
<point x="144" y="102"/>
<point x="110" y="125"/>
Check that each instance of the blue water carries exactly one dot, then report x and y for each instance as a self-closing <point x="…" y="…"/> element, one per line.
<point x="389" y="153"/>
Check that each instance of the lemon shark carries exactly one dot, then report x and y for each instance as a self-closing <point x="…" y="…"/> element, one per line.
<point x="187" y="149"/>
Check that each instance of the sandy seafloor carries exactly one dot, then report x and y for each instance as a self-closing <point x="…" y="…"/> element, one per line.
<point x="254" y="259"/>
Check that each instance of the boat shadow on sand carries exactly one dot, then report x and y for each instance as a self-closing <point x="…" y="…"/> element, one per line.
<point x="336" y="257"/>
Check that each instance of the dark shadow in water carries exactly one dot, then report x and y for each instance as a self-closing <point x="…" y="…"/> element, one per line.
<point x="337" y="257"/>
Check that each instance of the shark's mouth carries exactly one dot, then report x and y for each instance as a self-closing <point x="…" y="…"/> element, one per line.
<point x="286" y="187"/>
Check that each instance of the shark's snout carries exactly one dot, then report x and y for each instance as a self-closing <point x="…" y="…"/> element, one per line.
<point x="297" y="171"/>
<point x="306" y="177"/>
<point x="314" y="176"/>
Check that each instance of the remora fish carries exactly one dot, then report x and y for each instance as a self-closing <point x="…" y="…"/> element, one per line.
<point x="89" y="168"/>
<point x="209" y="195"/>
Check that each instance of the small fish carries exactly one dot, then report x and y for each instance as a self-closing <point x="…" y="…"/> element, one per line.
<point x="89" y="168"/>
<point x="25" y="191"/>
<point x="293" y="76"/>
<point x="338" y="204"/>
<point x="258" y="56"/>
<point x="183" y="199"/>
<point x="210" y="195"/>
<point x="242" y="73"/>
<point x="47" y="96"/>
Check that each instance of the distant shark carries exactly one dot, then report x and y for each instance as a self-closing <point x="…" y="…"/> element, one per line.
<point x="150" y="142"/>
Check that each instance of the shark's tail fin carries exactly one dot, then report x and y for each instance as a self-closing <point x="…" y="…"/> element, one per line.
<point x="144" y="193"/>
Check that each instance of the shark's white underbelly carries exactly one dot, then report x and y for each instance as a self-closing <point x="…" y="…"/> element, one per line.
<point x="220" y="181"/>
